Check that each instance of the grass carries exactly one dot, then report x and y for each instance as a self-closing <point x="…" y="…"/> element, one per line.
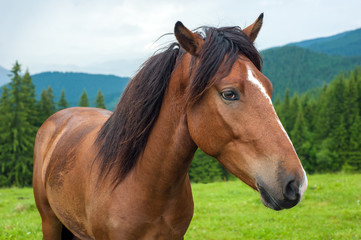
<point x="331" y="209"/>
<point x="19" y="218"/>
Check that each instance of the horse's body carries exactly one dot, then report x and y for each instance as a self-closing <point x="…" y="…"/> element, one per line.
<point x="86" y="182"/>
<point x="144" y="206"/>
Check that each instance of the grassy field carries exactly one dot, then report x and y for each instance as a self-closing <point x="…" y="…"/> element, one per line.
<point x="19" y="218"/>
<point x="331" y="209"/>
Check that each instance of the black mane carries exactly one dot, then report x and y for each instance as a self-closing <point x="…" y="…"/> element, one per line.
<point x="123" y="137"/>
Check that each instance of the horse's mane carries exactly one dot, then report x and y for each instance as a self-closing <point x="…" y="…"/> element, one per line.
<point x="124" y="135"/>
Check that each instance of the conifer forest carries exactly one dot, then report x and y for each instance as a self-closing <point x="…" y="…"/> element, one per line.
<point x="21" y="115"/>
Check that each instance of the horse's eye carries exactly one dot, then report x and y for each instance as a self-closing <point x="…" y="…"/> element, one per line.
<point x="229" y="95"/>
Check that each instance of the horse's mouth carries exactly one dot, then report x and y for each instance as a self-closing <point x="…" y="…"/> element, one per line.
<point x="268" y="200"/>
<point x="276" y="204"/>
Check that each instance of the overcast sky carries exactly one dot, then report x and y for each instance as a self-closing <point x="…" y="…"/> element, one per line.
<point x="115" y="36"/>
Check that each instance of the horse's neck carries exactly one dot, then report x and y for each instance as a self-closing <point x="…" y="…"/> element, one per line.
<point x="170" y="148"/>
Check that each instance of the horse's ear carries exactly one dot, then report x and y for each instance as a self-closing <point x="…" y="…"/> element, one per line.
<point x="188" y="40"/>
<point x="252" y="30"/>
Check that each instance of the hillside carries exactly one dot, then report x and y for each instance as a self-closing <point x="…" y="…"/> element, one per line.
<point x="301" y="69"/>
<point x="4" y="78"/>
<point x="308" y="64"/>
<point x="343" y="44"/>
<point x="74" y="84"/>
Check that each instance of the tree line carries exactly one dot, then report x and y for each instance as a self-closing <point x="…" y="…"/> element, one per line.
<point x="21" y="115"/>
<point x="302" y="69"/>
<point x="326" y="130"/>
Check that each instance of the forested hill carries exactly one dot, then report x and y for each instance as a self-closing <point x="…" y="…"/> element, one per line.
<point x="343" y="44"/>
<point x="301" y="69"/>
<point x="304" y="65"/>
<point x="74" y="84"/>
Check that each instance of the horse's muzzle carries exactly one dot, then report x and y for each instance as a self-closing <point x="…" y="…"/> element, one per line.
<point x="290" y="195"/>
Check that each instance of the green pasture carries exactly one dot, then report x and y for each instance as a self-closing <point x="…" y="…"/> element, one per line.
<point x="331" y="209"/>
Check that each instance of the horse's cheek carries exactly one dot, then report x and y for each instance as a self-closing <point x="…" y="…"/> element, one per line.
<point x="206" y="129"/>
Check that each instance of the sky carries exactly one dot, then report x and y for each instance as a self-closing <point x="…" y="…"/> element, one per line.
<point x="116" y="36"/>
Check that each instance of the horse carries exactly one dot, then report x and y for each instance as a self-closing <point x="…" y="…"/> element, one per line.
<point x="124" y="175"/>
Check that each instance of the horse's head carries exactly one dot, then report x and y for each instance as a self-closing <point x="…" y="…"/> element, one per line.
<point x="230" y="115"/>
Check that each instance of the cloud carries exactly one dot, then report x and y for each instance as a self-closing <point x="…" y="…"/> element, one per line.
<point x="43" y="34"/>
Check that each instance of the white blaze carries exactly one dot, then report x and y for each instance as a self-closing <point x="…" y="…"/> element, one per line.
<point x="259" y="85"/>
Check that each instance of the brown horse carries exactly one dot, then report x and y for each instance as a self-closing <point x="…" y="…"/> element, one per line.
<point x="123" y="175"/>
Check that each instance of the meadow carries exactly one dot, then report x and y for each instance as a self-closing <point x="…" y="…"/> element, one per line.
<point x="331" y="209"/>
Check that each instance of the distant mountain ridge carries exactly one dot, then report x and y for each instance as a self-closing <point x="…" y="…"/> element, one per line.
<point x="343" y="44"/>
<point x="74" y="83"/>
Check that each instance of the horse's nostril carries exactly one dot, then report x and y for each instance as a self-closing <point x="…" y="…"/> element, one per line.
<point x="291" y="191"/>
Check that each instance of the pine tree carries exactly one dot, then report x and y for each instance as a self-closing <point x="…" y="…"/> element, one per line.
<point x="84" y="102"/>
<point x="28" y="89"/>
<point x="277" y="105"/>
<point x="285" y="112"/>
<point x="322" y="125"/>
<point x="29" y="100"/>
<point x="5" y="144"/>
<point x="43" y="107"/>
<point x="357" y="75"/>
<point x="351" y="108"/>
<point x="99" y="101"/>
<point x="339" y="143"/>
<point x="302" y="142"/>
<point x="19" y="141"/>
<point x="293" y="111"/>
<point x="353" y="161"/>
<point x="309" y="112"/>
<point x="336" y="101"/>
<point x="46" y="105"/>
<point x="51" y="97"/>
<point x="62" y="103"/>
<point x="326" y="155"/>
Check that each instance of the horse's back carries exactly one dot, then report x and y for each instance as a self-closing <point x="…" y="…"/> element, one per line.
<point x="65" y="143"/>
<point x="61" y="134"/>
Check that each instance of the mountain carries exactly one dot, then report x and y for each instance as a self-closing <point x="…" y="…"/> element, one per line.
<point x="4" y="78"/>
<point x="301" y="69"/>
<point x="74" y="83"/>
<point x="309" y="64"/>
<point x="343" y="44"/>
